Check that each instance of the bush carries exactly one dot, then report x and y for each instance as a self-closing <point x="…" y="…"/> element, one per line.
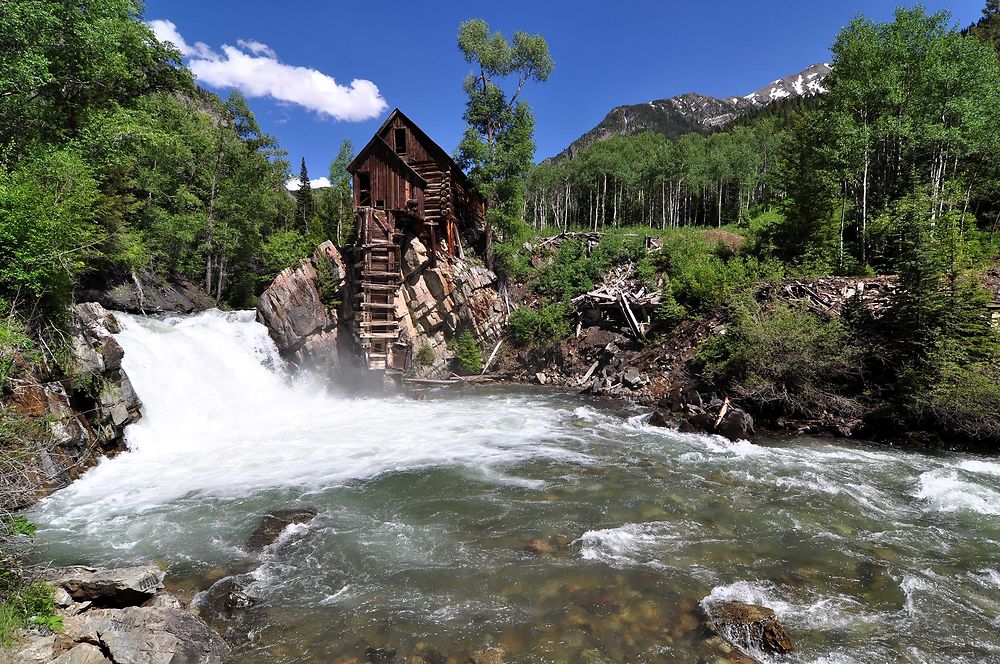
<point x="540" y="327"/>
<point x="788" y="360"/>
<point x="965" y="402"/>
<point x="283" y="249"/>
<point x="668" y="312"/>
<point x="467" y="352"/>
<point x="328" y="282"/>
<point x="425" y="356"/>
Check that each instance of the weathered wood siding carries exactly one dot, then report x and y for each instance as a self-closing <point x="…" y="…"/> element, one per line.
<point x="391" y="182"/>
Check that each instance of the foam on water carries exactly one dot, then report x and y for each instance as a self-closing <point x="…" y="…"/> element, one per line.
<point x="226" y="421"/>
<point x="945" y="491"/>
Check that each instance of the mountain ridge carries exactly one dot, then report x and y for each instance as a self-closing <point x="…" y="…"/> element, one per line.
<point x="695" y="112"/>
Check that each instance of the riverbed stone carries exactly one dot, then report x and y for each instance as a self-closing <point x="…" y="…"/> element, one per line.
<point x="750" y="626"/>
<point x="488" y="656"/>
<point x="125" y="586"/>
<point x="224" y="600"/>
<point x="272" y="525"/>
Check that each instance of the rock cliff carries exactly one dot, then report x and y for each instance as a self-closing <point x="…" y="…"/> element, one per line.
<point x="300" y="310"/>
<point x="441" y="299"/>
<point x="440" y="296"/>
<point x="83" y="406"/>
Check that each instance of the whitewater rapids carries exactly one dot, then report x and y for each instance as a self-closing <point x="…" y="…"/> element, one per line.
<point x="867" y="554"/>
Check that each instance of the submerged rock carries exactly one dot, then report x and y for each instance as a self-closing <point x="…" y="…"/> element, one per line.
<point x="224" y="600"/>
<point x="750" y="626"/>
<point x="488" y="656"/>
<point x="273" y="524"/>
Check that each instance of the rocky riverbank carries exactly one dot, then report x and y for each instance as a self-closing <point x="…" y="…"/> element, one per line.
<point x="119" y="616"/>
<point x="73" y="413"/>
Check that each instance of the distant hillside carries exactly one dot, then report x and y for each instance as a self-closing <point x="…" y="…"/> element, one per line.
<point x="693" y="112"/>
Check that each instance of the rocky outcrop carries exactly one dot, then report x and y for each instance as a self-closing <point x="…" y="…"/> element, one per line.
<point x="121" y="616"/>
<point x="749" y="626"/>
<point x="145" y="293"/>
<point x="300" y="310"/>
<point x="442" y="298"/>
<point x="126" y="586"/>
<point x="85" y="405"/>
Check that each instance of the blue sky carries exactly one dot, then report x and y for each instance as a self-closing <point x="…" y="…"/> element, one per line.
<point x="606" y="54"/>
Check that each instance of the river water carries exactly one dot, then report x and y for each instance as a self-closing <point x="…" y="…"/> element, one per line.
<point x="538" y="522"/>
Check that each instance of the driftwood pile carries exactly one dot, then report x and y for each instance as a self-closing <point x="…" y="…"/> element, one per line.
<point x="826" y="296"/>
<point x="591" y="238"/>
<point x="619" y="294"/>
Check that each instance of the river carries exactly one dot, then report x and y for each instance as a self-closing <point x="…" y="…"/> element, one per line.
<point x="426" y="509"/>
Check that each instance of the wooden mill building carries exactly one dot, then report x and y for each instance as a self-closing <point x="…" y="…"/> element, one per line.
<point x="405" y="185"/>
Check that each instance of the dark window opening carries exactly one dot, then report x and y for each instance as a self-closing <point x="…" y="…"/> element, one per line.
<point x="400" y="141"/>
<point x="364" y="189"/>
<point x="380" y="204"/>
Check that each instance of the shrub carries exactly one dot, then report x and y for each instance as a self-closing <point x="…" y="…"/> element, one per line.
<point x="965" y="402"/>
<point x="540" y="327"/>
<point x="425" y="356"/>
<point x="329" y="284"/>
<point x="467" y="352"/>
<point x="787" y="360"/>
<point x="668" y="312"/>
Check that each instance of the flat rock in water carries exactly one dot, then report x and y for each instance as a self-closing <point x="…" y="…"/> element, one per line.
<point x="750" y="626"/>
<point x="273" y="524"/>
<point x="124" y="586"/>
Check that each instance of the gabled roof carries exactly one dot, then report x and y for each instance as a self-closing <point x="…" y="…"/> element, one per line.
<point x="378" y="142"/>
<point x="441" y="153"/>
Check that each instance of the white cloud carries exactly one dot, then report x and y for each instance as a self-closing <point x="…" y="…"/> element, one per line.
<point x="318" y="183"/>
<point x="254" y="69"/>
<point x="257" y="48"/>
<point x="166" y="31"/>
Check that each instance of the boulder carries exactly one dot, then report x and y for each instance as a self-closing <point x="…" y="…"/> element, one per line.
<point x="414" y="258"/>
<point x="632" y="378"/>
<point x="224" y="599"/>
<point x="83" y="653"/>
<point x="145" y="293"/>
<point x="736" y="424"/>
<point x="126" y="586"/>
<point x="273" y="524"/>
<point x="302" y="325"/>
<point x="146" y="635"/>
<point x="749" y="626"/>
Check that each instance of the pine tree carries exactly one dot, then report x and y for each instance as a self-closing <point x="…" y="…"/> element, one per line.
<point x="305" y="205"/>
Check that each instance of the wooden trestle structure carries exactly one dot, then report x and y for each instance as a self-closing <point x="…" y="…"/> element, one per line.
<point x="377" y="277"/>
<point x="405" y="185"/>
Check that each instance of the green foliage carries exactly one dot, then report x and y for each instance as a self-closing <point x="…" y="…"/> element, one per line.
<point x="425" y="356"/>
<point x="284" y="248"/>
<point x="328" y="282"/>
<point x="467" y="352"/>
<point x="541" y="326"/>
<point x="47" y="225"/>
<point x="17" y="525"/>
<point x="669" y="312"/>
<point x="701" y="280"/>
<point x="498" y="148"/>
<point x="785" y="360"/>
<point x="26" y="605"/>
